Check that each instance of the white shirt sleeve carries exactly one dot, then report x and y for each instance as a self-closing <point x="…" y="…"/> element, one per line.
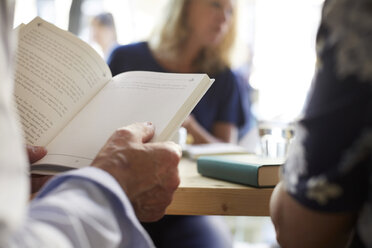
<point x="14" y="181"/>
<point x="82" y="208"/>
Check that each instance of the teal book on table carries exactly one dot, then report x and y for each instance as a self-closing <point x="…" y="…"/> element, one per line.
<point x="245" y="169"/>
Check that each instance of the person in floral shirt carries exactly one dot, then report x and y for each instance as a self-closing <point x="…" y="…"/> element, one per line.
<point x="325" y="197"/>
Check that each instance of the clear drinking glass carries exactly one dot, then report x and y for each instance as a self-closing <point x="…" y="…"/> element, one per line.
<point x="275" y="139"/>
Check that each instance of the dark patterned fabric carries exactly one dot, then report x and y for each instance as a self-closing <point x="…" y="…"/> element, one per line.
<point x="330" y="163"/>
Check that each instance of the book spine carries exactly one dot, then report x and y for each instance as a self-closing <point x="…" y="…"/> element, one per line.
<point x="228" y="171"/>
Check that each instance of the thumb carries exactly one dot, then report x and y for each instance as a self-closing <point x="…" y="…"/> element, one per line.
<point x="141" y="132"/>
<point x="35" y="153"/>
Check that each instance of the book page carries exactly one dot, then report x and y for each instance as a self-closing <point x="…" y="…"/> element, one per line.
<point x="164" y="99"/>
<point x="17" y="29"/>
<point x="56" y="75"/>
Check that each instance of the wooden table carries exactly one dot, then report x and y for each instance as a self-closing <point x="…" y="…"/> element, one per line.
<point x="198" y="195"/>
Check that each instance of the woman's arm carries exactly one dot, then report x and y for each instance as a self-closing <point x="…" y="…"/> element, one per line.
<point x="299" y="226"/>
<point x="221" y="132"/>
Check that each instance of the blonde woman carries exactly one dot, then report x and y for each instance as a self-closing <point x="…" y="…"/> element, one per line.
<point x="194" y="36"/>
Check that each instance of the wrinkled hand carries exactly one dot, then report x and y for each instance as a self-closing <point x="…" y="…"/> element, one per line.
<point x="36" y="153"/>
<point x="147" y="172"/>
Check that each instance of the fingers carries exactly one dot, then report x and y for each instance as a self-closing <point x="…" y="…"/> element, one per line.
<point x="38" y="181"/>
<point x="147" y="172"/>
<point x="35" y="153"/>
<point x="123" y="145"/>
<point x="137" y="132"/>
<point x="166" y="156"/>
<point x="169" y="148"/>
<point x="151" y="205"/>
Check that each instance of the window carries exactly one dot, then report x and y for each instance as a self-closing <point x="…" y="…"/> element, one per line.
<point x="284" y="56"/>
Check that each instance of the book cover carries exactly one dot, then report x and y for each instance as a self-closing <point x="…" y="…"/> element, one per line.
<point x="247" y="169"/>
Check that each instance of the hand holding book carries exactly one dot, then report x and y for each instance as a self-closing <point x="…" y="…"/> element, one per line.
<point x="130" y="159"/>
<point x="68" y="101"/>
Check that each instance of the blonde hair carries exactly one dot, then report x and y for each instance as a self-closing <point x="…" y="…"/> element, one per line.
<point x="172" y="32"/>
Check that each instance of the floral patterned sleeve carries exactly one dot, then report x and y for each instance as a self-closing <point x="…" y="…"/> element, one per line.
<point x="329" y="167"/>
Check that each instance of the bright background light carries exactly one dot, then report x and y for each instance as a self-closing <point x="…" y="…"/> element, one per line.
<point x="275" y="42"/>
<point x="284" y="56"/>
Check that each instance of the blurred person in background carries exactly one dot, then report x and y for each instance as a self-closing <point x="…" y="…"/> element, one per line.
<point x="195" y="36"/>
<point x="103" y="32"/>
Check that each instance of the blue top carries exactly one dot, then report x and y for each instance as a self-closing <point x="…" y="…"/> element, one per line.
<point x="329" y="167"/>
<point x="221" y="103"/>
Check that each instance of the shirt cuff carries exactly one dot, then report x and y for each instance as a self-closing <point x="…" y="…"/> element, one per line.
<point x="103" y="181"/>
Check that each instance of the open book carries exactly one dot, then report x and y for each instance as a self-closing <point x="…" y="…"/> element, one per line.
<point x="69" y="102"/>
